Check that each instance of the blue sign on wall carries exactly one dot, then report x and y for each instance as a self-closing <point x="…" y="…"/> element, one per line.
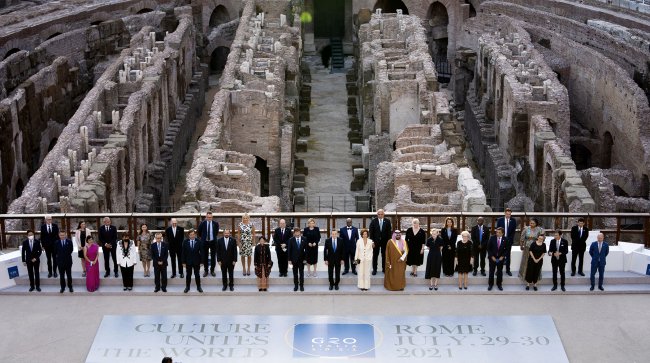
<point x="333" y="340"/>
<point x="13" y="271"/>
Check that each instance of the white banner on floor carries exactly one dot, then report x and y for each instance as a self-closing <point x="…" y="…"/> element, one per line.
<point x="247" y="338"/>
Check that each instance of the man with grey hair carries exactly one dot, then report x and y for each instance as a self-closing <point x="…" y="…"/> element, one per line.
<point x="107" y="236"/>
<point x="333" y="255"/>
<point x="598" y="252"/>
<point x="175" y="237"/>
<point x="49" y="236"/>
<point x="381" y="232"/>
<point x="281" y="237"/>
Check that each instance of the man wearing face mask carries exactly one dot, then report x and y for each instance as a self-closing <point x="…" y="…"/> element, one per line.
<point x="396" y="251"/>
<point x="31" y="254"/>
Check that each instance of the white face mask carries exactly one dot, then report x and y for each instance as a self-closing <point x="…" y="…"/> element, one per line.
<point x="31" y="238"/>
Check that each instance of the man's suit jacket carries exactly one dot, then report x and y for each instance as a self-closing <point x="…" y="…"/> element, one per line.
<point x="495" y="252"/>
<point x="159" y="257"/>
<point x="332" y="256"/>
<point x="64" y="253"/>
<point x="563" y="248"/>
<point x="175" y="242"/>
<point x="203" y="230"/>
<point x="107" y="235"/>
<point x="598" y="258"/>
<point x="49" y="239"/>
<point x="279" y="238"/>
<point x="297" y="253"/>
<point x="35" y="252"/>
<point x="476" y="237"/>
<point x="350" y="243"/>
<point x="512" y="228"/>
<point x="380" y="237"/>
<point x="227" y="255"/>
<point x="578" y="242"/>
<point x="192" y="256"/>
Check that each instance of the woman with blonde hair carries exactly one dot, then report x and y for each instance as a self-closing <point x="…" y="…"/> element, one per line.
<point x="464" y="259"/>
<point x="434" y="259"/>
<point x="415" y="239"/>
<point x="246" y="233"/>
<point x="311" y="234"/>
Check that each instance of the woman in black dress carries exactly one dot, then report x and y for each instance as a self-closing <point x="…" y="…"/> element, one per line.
<point x="311" y="234"/>
<point x="434" y="259"/>
<point x="415" y="239"/>
<point x="536" y="254"/>
<point x="263" y="264"/>
<point x="464" y="259"/>
<point x="449" y="236"/>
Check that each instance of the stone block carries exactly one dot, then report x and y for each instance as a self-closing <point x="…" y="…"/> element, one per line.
<point x="301" y="145"/>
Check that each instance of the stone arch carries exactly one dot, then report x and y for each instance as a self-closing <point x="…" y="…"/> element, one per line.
<point x="262" y="166"/>
<point x="11" y="52"/>
<point x="438" y="25"/>
<point x="219" y="16"/>
<point x="391" y="6"/>
<point x="218" y="59"/>
<point x="581" y="155"/>
<point x="606" y="151"/>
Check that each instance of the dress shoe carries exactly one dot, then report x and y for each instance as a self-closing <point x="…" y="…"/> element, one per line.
<point x="509" y="273"/>
<point x="31" y="289"/>
<point x="581" y="273"/>
<point x="187" y="289"/>
<point x="295" y="288"/>
<point x="173" y="276"/>
<point x="554" y="288"/>
<point x="233" y="289"/>
<point x="56" y="275"/>
<point x="527" y="288"/>
<point x="116" y="275"/>
<point x="205" y="274"/>
<point x="573" y="273"/>
<point x="374" y="272"/>
<point x="601" y="288"/>
<point x="430" y="288"/>
<point x="107" y="274"/>
<point x="489" y="288"/>
<point x="38" y="289"/>
<point x="164" y="289"/>
<point x="182" y="276"/>
<point x="49" y="275"/>
<point x="331" y="287"/>
<point x="535" y="288"/>
<point x="336" y="287"/>
<point x="500" y="288"/>
<point x="224" y="288"/>
<point x="344" y="273"/>
<point x="213" y="274"/>
<point x="156" y="290"/>
<point x="83" y="274"/>
<point x="563" y="289"/>
<point x="591" y="288"/>
<point x="474" y="273"/>
<point x="354" y="272"/>
<point x="62" y="290"/>
<point x="436" y="288"/>
<point x="199" y="289"/>
<point x="126" y="288"/>
<point x="302" y="288"/>
<point x="483" y="273"/>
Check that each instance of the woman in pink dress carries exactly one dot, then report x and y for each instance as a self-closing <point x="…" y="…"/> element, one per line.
<point x="91" y="254"/>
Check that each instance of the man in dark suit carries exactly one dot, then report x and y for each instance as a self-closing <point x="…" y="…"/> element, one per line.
<point x="281" y="237"/>
<point x="497" y="250"/>
<point x="192" y="260"/>
<point x="480" y="237"/>
<point x="208" y="232"/>
<point x="64" y="250"/>
<point x="579" y="235"/>
<point x="227" y="258"/>
<point x="159" y="255"/>
<point x="380" y="234"/>
<point x="509" y="225"/>
<point x="558" y="250"/>
<point x="175" y="237"/>
<point x="598" y="252"/>
<point x="334" y="254"/>
<point x="297" y="258"/>
<point x="349" y="235"/>
<point x="108" y="240"/>
<point x="31" y="255"/>
<point x="49" y="236"/>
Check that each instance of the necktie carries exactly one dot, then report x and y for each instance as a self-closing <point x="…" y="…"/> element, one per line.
<point x="298" y="242"/>
<point x="49" y="228"/>
<point x="159" y="251"/>
<point x="480" y="233"/>
<point x="210" y="231"/>
<point x="192" y="244"/>
<point x="31" y="244"/>
<point x="506" y="227"/>
<point x="282" y="234"/>
<point x="334" y="244"/>
<point x="226" y="240"/>
<point x="174" y="231"/>
<point x="381" y="224"/>
<point x="580" y="232"/>
<point x="498" y="243"/>
<point x="600" y="245"/>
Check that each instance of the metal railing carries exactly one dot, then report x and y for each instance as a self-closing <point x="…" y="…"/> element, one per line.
<point x="634" y="227"/>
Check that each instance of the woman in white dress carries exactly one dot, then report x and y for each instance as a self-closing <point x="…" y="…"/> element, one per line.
<point x="363" y="259"/>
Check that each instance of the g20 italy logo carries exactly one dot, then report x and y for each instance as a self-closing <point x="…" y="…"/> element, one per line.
<point x="333" y="340"/>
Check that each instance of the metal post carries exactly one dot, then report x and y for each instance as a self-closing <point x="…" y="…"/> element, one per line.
<point x="618" y="229"/>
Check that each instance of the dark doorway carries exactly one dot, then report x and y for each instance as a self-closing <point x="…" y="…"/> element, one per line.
<point x="325" y="55"/>
<point x="263" y="168"/>
<point x="10" y="52"/>
<point x="391" y="6"/>
<point x="606" y="153"/>
<point x="438" y="21"/>
<point x="53" y="35"/>
<point x="218" y="59"/>
<point x="219" y="16"/>
<point x="581" y="156"/>
<point x="645" y="187"/>
<point x="144" y="11"/>
<point x="329" y="18"/>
